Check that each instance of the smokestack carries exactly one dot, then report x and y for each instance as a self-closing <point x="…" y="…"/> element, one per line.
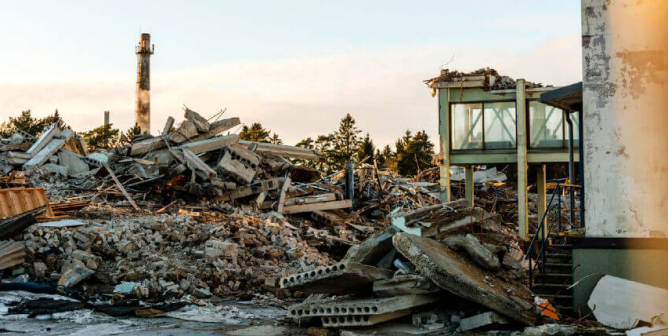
<point x="143" y="111"/>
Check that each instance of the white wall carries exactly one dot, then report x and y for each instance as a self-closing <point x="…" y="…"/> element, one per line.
<point x="625" y="77"/>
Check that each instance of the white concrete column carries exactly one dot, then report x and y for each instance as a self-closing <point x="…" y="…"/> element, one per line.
<point x="444" y="132"/>
<point x="522" y="166"/>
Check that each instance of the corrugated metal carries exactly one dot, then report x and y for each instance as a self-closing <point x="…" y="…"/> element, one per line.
<point x="11" y="254"/>
<point x="16" y="201"/>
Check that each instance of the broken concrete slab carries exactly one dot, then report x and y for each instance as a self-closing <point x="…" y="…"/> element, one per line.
<point x="148" y="145"/>
<point x="400" y="329"/>
<point x="371" y="306"/>
<point x="76" y="166"/>
<point x="47" y="151"/>
<point x="453" y="274"/>
<point x="427" y="221"/>
<point x="218" y="127"/>
<point x="54" y="169"/>
<point x="341" y="278"/>
<point x="210" y="144"/>
<point x="196" y="163"/>
<point x="283" y="150"/>
<point x="185" y="131"/>
<point x="622" y="304"/>
<point x="372" y="249"/>
<point x="481" y="255"/>
<point x="404" y="284"/>
<point x="200" y="122"/>
<point x="74" y="275"/>
<point x="362" y="320"/>
<point x="486" y="320"/>
<point x="253" y="189"/>
<point x="44" y="139"/>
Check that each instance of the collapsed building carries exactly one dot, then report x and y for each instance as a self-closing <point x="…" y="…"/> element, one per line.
<point x="192" y="215"/>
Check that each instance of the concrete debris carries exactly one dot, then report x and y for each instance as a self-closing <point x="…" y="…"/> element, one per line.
<point x="404" y="284"/>
<point x="484" y="320"/>
<point x="375" y="306"/>
<point x="622" y="304"/>
<point x="448" y="271"/>
<point x="339" y="278"/>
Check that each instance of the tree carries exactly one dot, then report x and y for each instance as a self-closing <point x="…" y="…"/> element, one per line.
<point x="274" y="139"/>
<point x="30" y="125"/>
<point x="346" y="140"/>
<point x="414" y="153"/>
<point x="101" y="137"/>
<point x="325" y="144"/>
<point x="129" y="135"/>
<point x="366" y="149"/>
<point x="385" y="158"/>
<point x="306" y="143"/>
<point x="255" y="133"/>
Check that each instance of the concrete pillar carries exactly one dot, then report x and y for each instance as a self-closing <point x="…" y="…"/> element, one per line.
<point x="625" y="119"/>
<point x="444" y="132"/>
<point x="542" y="197"/>
<point x="143" y="109"/>
<point x="469" y="191"/>
<point x="522" y="166"/>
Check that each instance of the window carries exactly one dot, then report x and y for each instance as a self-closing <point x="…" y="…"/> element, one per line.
<point x="575" y="117"/>
<point x="546" y="125"/>
<point x="500" y="125"/>
<point x="483" y="126"/>
<point x="466" y="126"/>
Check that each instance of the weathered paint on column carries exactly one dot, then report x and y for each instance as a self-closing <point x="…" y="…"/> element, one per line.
<point x="444" y="132"/>
<point x="522" y="183"/>
<point x="469" y="191"/>
<point x="143" y="109"/>
<point x="542" y="196"/>
<point x="625" y="80"/>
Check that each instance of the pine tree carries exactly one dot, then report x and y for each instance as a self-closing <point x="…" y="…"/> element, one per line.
<point x="274" y="139"/>
<point x="255" y="133"/>
<point x="414" y="153"/>
<point x="346" y="140"/>
<point x="366" y="149"/>
<point x="104" y="136"/>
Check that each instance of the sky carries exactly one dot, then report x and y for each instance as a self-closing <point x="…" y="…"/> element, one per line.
<point x="295" y="66"/>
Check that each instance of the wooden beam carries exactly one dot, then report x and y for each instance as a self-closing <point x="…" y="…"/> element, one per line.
<point x="311" y="199"/>
<point x="292" y="209"/>
<point x="120" y="186"/>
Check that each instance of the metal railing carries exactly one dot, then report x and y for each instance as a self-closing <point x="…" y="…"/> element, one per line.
<point x="541" y="236"/>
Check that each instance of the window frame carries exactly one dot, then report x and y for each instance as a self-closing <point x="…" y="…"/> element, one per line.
<point x="482" y="111"/>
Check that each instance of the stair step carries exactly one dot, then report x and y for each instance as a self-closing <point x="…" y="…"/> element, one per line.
<point x="552" y="296"/>
<point x="549" y="285"/>
<point x="556" y="275"/>
<point x="562" y="255"/>
<point x="562" y="246"/>
<point x="554" y="264"/>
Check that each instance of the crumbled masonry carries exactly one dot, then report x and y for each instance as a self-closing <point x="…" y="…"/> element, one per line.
<point x="196" y="216"/>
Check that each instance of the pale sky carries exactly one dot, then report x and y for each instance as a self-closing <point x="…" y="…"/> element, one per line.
<point x="295" y="66"/>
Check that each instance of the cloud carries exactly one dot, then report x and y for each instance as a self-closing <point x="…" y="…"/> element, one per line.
<point x="300" y="96"/>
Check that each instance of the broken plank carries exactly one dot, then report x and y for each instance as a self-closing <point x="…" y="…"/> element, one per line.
<point x="311" y="199"/>
<point x="292" y="209"/>
<point x="120" y="186"/>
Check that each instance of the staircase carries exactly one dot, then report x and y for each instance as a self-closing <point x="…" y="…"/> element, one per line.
<point x="552" y="284"/>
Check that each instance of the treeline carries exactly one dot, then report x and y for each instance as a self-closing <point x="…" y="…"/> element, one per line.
<point x="411" y="153"/>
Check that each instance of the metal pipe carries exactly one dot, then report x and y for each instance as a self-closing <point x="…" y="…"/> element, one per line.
<point x="571" y="168"/>
<point x="582" y="183"/>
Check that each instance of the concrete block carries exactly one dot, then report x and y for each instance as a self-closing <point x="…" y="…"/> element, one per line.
<point x="361" y="320"/>
<point x="372" y="249"/>
<point x="375" y="306"/>
<point x="76" y="166"/>
<point x="481" y="255"/>
<point x="488" y="319"/>
<point x="404" y="284"/>
<point x="466" y="280"/>
<point x="186" y="130"/>
<point x="341" y="278"/>
<point x="200" y="122"/>
<point x="55" y="169"/>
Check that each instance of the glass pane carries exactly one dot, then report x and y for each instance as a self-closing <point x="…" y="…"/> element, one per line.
<point x="466" y="120"/>
<point x="500" y="125"/>
<point x="546" y="125"/>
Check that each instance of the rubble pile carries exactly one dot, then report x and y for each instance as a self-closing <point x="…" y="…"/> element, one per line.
<point x="156" y="256"/>
<point x="443" y="253"/>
